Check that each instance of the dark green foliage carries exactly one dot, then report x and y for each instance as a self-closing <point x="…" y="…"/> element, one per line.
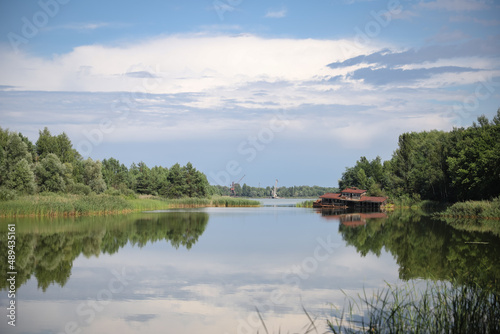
<point x="474" y="160"/>
<point x="462" y="164"/>
<point x="365" y="174"/>
<point x="58" y="167"/>
<point x="59" y="145"/>
<point x="176" y="184"/>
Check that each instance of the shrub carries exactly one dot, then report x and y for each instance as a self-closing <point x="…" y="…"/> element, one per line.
<point x="79" y="189"/>
<point x="7" y="194"/>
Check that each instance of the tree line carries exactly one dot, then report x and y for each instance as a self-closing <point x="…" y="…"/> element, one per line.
<point x="462" y="164"/>
<point x="53" y="165"/>
<point x="256" y="192"/>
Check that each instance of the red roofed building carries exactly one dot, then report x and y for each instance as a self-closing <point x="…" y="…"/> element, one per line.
<point x="350" y="197"/>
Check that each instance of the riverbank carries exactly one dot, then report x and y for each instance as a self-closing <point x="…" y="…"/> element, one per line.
<point x="56" y="205"/>
<point x="474" y="209"/>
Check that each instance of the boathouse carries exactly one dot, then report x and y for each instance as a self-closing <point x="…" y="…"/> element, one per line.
<point x="351" y="198"/>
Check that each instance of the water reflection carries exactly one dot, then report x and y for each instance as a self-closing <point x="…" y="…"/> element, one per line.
<point x="47" y="248"/>
<point x="423" y="247"/>
<point x="188" y="277"/>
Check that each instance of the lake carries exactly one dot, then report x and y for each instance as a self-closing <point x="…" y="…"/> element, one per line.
<point x="208" y="270"/>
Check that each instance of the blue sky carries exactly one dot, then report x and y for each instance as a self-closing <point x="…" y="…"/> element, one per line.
<point x="292" y="90"/>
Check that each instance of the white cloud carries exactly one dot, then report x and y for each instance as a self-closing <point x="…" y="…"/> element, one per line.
<point x="226" y="62"/>
<point x="276" y="14"/>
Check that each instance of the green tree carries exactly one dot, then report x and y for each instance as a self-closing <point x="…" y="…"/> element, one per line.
<point x="50" y="174"/>
<point x="176" y="187"/>
<point x="92" y="175"/>
<point x="114" y="173"/>
<point x="196" y="183"/>
<point x="16" y="164"/>
<point x="143" y="180"/>
<point x="45" y="144"/>
<point x="474" y="161"/>
<point x="22" y="178"/>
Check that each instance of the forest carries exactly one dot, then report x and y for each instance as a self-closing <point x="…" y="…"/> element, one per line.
<point x="459" y="165"/>
<point x="53" y="165"/>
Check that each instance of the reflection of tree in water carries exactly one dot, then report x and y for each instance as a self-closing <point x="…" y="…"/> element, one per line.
<point x="425" y="248"/>
<point x="47" y="250"/>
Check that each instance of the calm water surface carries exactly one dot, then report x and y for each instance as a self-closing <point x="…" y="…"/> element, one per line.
<point x="206" y="270"/>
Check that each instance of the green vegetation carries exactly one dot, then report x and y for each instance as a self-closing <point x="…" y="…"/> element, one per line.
<point x="425" y="248"/>
<point x="52" y="205"/>
<point x="50" y="178"/>
<point x="53" y="165"/>
<point x="474" y="209"/>
<point x="480" y="216"/>
<point x="438" y="308"/>
<point x="460" y="165"/>
<point x="46" y="248"/>
<point x="305" y="204"/>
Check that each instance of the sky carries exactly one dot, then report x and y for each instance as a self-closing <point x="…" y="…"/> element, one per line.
<point x="289" y="90"/>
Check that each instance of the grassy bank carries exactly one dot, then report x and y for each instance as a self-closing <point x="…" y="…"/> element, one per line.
<point x="474" y="209"/>
<point x="54" y="205"/>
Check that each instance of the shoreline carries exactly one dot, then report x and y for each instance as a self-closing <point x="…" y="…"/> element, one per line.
<point x="56" y="205"/>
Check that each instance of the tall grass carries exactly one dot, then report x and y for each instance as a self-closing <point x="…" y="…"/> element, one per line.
<point x="53" y="205"/>
<point x="305" y="204"/>
<point x="59" y="205"/>
<point x="474" y="209"/>
<point x="226" y="201"/>
<point x="438" y="308"/>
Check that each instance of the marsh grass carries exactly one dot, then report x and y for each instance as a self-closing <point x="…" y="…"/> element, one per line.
<point x="437" y="308"/>
<point x="474" y="209"/>
<point x="305" y="204"/>
<point x="51" y="205"/>
<point x="67" y="205"/>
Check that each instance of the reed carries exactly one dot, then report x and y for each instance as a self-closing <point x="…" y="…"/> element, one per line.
<point x="305" y="204"/>
<point x="474" y="209"/>
<point x="226" y="201"/>
<point x="438" y="308"/>
<point x="54" y="205"/>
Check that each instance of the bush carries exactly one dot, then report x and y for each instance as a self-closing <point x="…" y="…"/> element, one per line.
<point x="79" y="189"/>
<point x="7" y="194"/>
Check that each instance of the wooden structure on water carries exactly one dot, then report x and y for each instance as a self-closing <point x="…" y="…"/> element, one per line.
<point x="350" y="198"/>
